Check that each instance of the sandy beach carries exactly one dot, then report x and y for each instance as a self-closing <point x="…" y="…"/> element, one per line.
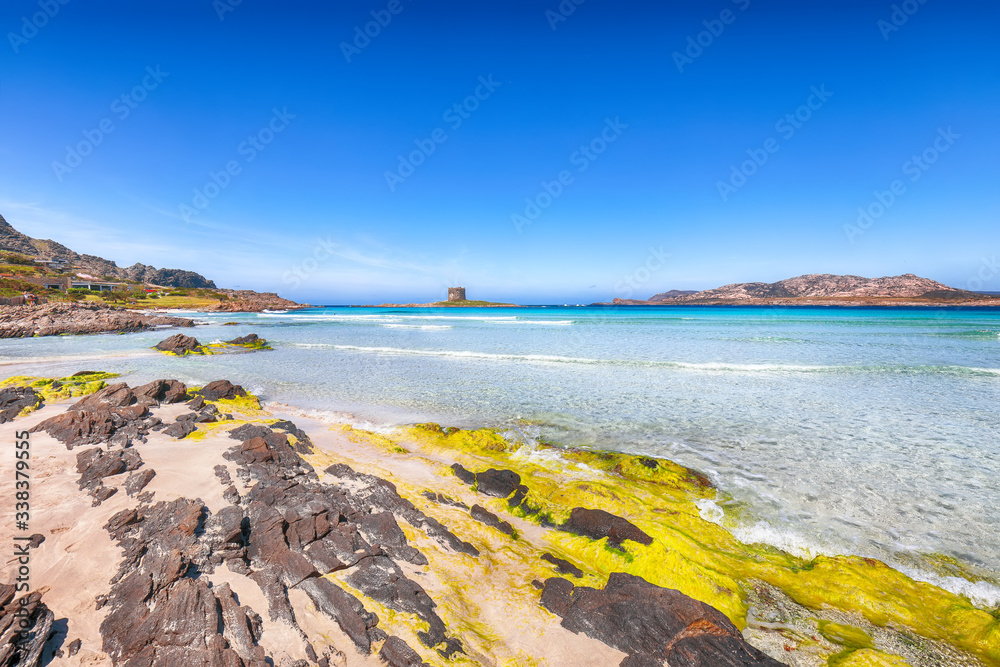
<point x="463" y="531"/>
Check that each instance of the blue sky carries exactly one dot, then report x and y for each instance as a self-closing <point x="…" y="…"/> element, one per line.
<point x="591" y="154"/>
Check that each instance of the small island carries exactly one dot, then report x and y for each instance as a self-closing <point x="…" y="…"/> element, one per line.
<point x="456" y="299"/>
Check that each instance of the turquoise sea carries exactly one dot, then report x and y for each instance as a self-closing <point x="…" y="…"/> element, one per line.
<point x="866" y="431"/>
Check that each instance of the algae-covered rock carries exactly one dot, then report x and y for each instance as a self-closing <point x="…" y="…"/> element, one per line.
<point x="180" y="345"/>
<point x="598" y="524"/>
<point x="653" y="625"/>
<point x="16" y="400"/>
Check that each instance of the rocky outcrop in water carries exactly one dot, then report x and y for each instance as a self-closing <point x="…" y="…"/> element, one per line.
<point x="54" y="319"/>
<point x="248" y="301"/>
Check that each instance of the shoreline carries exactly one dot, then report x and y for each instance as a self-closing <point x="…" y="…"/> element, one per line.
<point x="416" y="459"/>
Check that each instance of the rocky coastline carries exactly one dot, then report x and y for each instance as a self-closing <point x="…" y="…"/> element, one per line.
<point x="56" y="319"/>
<point x="185" y="525"/>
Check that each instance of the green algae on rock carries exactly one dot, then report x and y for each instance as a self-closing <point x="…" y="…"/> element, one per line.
<point x="699" y="557"/>
<point x="83" y="383"/>
<point x="180" y="345"/>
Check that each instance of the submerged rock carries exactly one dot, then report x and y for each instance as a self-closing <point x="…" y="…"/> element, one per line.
<point x="653" y="625"/>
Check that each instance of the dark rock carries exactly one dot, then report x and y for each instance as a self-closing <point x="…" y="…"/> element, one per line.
<point x="653" y="625"/>
<point x="36" y="540"/>
<point x="219" y="389"/>
<point x="518" y="497"/>
<point x="249" y="339"/>
<point x="162" y="391"/>
<point x="73" y="647"/>
<point x="180" y="429"/>
<point x="497" y="483"/>
<point x="197" y="403"/>
<point x="563" y="566"/>
<point x="138" y="480"/>
<point x="598" y="524"/>
<point x="33" y="618"/>
<point x="179" y="344"/>
<point x="96" y="464"/>
<point x="465" y="475"/>
<point x="112" y="396"/>
<point x="15" y="399"/>
<point x="483" y="515"/>
<point x="343" y="608"/>
<point x="442" y="499"/>
<point x="397" y="653"/>
<point x="248" y="431"/>
<point x="102" y="493"/>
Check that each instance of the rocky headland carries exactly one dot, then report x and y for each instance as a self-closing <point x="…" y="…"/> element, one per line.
<point x="55" y="319"/>
<point x="184" y="525"/>
<point x="824" y="290"/>
<point x="12" y="240"/>
<point x="248" y="301"/>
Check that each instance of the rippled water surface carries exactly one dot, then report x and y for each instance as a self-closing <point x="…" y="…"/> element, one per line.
<point x="874" y="432"/>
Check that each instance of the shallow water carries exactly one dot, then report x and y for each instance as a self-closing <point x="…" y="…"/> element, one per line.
<point x="866" y="431"/>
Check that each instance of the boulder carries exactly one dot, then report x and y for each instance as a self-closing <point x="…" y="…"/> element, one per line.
<point x="219" y="389"/>
<point x="15" y="399"/>
<point x="249" y="339"/>
<point x="162" y="391"/>
<point x="497" y="483"/>
<point x="598" y="524"/>
<point x="179" y="344"/>
<point x="653" y="625"/>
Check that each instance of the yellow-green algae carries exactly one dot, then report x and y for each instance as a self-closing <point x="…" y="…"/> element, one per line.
<point x="58" y="389"/>
<point x="700" y="558"/>
<point x="459" y="584"/>
<point x="218" y="348"/>
<point x="867" y="658"/>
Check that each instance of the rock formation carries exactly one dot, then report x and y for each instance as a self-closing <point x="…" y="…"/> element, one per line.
<point x="14" y="241"/>
<point x="823" y="289"/>
<point x="54" y="319"/>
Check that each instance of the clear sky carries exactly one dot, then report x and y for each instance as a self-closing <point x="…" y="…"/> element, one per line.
<point x="531" y="151"/>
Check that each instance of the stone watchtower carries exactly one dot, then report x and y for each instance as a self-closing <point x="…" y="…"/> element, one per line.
<point x="456" y="294"/>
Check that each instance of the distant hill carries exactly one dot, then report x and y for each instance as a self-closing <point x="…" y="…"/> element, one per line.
<point x="824" y="289"/>
<point x="12" y="240"/>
